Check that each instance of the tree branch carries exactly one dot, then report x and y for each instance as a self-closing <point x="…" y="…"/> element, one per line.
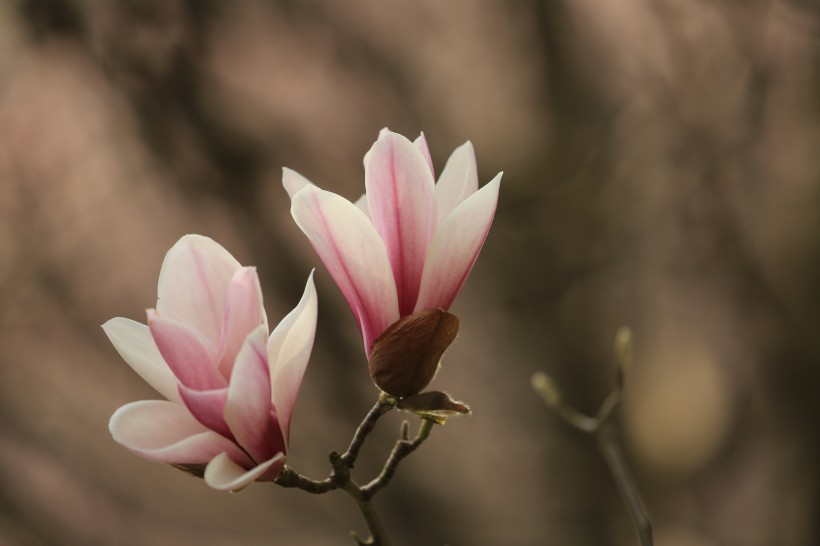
<point x="402" y="449"/>
<point x="383" y="405"/>
<point x="341" y="465"/>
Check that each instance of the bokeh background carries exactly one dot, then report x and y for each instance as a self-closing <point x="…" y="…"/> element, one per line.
<point x="662" y="171"/>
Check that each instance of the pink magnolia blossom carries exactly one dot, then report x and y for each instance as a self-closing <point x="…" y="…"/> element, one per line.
<point x="230" y="388"/>
<point x="409" y="243"/>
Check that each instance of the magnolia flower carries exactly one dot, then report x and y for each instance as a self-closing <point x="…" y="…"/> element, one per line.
<point x="409" y="243"/>
<point x="230" y="388"/>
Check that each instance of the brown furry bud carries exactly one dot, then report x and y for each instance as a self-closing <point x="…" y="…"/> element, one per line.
<point x="404" y="359"/>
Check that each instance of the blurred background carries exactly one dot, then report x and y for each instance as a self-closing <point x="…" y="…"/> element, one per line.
<point x="662" y="171"/>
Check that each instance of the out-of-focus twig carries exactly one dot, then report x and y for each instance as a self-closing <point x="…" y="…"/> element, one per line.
<point x="605" y="433"/>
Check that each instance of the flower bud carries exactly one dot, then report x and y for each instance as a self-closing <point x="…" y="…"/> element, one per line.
<point x="404" y="359"/>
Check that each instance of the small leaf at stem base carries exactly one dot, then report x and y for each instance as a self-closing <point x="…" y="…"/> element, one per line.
<point x="435" y="405"/>
<point x="404" y="359"/>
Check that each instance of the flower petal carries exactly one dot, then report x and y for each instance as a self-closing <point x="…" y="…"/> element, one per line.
<point x="207" y="407"/>
<point x="384" y="131"/>
<point x="456" y="246"/>
<point x="289" y="348"/>
<point x="137" y="347"/>
<point x="401" y="199"/>
<point x="361" y="202"/>
<point x="293" y="181"/>
<point x="421" y="144"/>
<point x="165" y="432"/>
<point x="225" y="475"/>
<point x="190" y="356"/>
<point x="193" y="283"/>
<point x="244" y="312"/>
<point x="458" y="180"/>
<point x="353" y="253"/>
<point x="248" y="408"/>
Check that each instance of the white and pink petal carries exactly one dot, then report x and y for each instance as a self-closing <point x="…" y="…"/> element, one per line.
<point x="293" y="181"/>
<point x="248" y="411"/>
<point x="135" y="344"/>
<point x="244" y="312"/>
<point x="289" y="348"/>
<point x="361" y="203"/>
<point x="207" y="407"/>
<point x="354" y="254"/>
<point x="223" y="474"/>
<point x="456" y="246"/>
<point x="165" y="432"/>
<point x="401" y="200"/>
<point x="458" y="180"/>
<point x="193" y="284"/>
<point x="190" y="356"/>
<point x="421" y="144"/>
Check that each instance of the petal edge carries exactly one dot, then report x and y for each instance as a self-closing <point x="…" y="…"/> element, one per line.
<point x="456" y="246"/>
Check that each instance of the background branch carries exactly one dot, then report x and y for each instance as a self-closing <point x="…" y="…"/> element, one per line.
<point x="604" y="432"/>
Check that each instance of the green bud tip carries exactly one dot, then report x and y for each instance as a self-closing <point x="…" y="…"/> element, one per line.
<point x="546" y="389"/>
<point x="623" y="349"/>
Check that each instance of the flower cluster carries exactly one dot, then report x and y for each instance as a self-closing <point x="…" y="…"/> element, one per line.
<point x="400" y="255"/>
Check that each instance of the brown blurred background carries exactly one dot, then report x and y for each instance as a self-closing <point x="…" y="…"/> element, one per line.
<point x="662" y="170"/>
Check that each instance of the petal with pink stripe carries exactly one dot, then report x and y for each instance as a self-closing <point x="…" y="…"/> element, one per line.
<point x="193" y="283"/>
<point x="354" y="254"/>
<point x="402" y="204"/>
<point x="208" y="407"/>
<point x="190" y="356"/>
<point x="456" y="246"/>
<point x="248" y="408"/>
<point x="244" y="312"/>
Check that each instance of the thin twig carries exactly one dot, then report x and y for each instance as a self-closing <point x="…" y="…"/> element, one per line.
<point x="383" y="405"/>
<point x="378" y="536"/>
<point x="613" y="455"/>
<point x="290" y="478"/>
<point x="401" y="449"/>
<point x="341" y="464"/>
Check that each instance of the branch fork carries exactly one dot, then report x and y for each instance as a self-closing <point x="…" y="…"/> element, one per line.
<point x="341" y="465"/>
